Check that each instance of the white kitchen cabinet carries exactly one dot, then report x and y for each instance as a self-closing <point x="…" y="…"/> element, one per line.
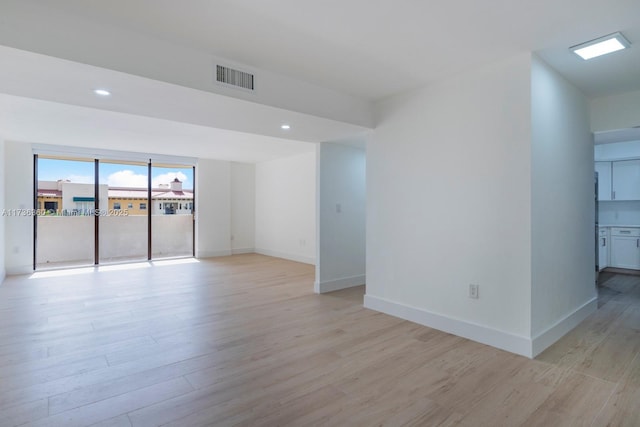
<point x="625" y="248"/>
<point x="604" y="180"/>
<point x="603" y="248"/>
<point x="625" y="180"/>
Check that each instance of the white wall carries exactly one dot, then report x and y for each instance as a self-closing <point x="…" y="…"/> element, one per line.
<point x="285" y="208"/>
<point x="213" y="208"/>
<point x="562" y="220"/>
<point x="615" y="112"/>
<point x="18" y="242"/>
<point x="2" y="218"/>
<point x="341" y="217"/>
<point x="74" y="189"/>
<point x="243" y="207"/>
<point x="449" y="204"/>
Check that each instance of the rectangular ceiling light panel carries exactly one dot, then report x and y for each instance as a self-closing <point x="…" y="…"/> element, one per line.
<point x="601" y="46"/>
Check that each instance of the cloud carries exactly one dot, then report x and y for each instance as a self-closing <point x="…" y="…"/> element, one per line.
<point x="127" y="178"/>
<point x="80" y="179"/>
<point x="166" y="178"/>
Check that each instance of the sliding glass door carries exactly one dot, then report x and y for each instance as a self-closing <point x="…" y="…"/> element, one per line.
<point x="172" y="211"/>
<point x="65" y="194"/>
<point x="97" y="211"/>
<point x="123" y="212"/>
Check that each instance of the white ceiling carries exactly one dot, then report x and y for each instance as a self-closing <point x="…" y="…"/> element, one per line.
<point x="370" y="49"/>
<point x="49" y="100"/>
<point x="373" y="49"/>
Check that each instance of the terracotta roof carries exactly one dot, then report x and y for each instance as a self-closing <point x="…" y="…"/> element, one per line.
<point x="128" y="194"/>
<point x="171" y="195"/>
<point x="131" y="193"/>
<point x="139" y="193"/>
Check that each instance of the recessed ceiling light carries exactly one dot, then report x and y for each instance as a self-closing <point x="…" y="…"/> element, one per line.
<point x="285" y="127"/>
<point x="102" y="92"/>
<point x="601" y="46"/>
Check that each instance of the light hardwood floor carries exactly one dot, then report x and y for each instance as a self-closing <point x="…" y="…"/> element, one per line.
<point x="242" y="340"/>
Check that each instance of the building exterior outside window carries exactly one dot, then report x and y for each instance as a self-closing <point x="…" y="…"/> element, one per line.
<point x="68" y="198"/>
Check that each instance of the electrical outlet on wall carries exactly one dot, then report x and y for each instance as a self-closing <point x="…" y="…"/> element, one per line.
<point x="474" y="291"/>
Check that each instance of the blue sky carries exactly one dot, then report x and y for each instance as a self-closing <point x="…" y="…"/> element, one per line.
<point x="113" y="174"/>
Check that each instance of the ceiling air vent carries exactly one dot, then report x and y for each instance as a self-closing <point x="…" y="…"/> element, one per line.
<point x="233" y="77"/>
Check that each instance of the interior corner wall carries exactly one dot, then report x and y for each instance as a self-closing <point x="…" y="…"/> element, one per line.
<point x="563" y="219"/>
<point x="448" y="205"/>
<point x="243" y="207"/>
<point x="341" y="217"/>
<point x="286" y="208"/>
<point x="3" y="270"/>
<point x="213" y="208"/>
<point x="18" y="241"/>
<point x="615" y="112"/>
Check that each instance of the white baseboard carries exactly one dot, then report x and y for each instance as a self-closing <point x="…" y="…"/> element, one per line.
<point x="563" y="326"/>
<point x="238" y="251"/>
<point x="482" y="334"/>
<point x="503" y="340"/>
<point x="213" y="254"/>
<point x="291" y="257"/>
<point x="19" y="270"/>
<point x="337" y="284"/>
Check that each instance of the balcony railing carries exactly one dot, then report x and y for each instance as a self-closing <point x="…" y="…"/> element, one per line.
<point x="69" y="239"/>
